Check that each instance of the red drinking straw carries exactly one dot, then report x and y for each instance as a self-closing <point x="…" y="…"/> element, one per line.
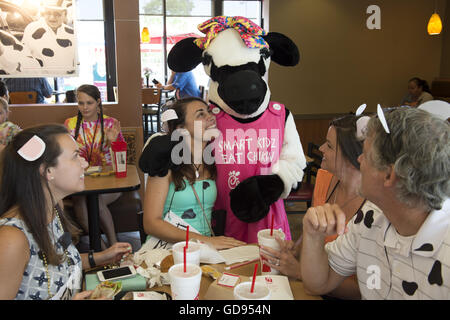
<point x="184" y="258"/>
<point x="187" y="236"/>
<point x="271" y="226"/>
<point x="254" y="278"/>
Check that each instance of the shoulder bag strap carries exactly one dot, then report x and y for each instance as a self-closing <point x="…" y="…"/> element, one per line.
<point x="204" y="214"/>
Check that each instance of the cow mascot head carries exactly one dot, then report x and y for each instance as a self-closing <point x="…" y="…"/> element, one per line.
<point x="259" y="157"/>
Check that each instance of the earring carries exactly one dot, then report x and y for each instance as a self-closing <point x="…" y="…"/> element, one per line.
<point x="51" y="178"/>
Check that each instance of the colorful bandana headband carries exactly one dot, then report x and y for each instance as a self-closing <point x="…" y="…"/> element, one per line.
<point x="250" y="32"/>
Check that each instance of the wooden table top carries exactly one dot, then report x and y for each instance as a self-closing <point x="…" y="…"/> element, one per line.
<point x="296" y="285"/>
<point x="111" y="183"/>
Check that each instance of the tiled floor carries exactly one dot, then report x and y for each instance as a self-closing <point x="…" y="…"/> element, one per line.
<point x="295" y="223"/>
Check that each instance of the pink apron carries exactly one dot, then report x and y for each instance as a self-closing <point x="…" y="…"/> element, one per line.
<point x="242" y="151"/>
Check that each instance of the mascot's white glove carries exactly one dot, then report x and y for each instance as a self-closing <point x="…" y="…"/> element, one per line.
<point x="292" y="159"/>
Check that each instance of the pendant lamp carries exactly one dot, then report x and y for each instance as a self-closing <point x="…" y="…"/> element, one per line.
<point x="145" y="35"/>
<point x="434" y="25"/>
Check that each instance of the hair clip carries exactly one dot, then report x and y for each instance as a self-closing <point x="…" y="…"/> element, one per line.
<point x="169" y="114"/>
<point x="383" y="121"/>
<point x="361" y="127"/>
<point x="33" y="149"/>
<point x="438" y="108"/>
<point x="360" y="109"/>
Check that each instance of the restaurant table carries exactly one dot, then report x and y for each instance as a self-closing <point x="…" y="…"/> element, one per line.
<point x="296" y="285"/>
<point x="95" y="185"/>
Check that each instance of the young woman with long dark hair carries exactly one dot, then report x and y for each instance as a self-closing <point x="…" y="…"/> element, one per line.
<point x="40" y="167"/>
<point x="174" y="191"/>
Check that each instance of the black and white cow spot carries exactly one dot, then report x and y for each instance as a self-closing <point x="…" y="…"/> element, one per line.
<point x="368" y="219"/>
<point x="189" y="214"/>
<point x="425" y="247"/>
<point x="409" y="287"/>
<point x="64" y="43"/>
<point x="48" y="52"/>
<point x="17" y="47"/>
<point x="435" y="276"/>
<point x="69" y="30"/>
<point x="359" y="216"/>
<point x="6" y="39"/>
<point x="206" y="185"/>
<point x="38" y="34"/>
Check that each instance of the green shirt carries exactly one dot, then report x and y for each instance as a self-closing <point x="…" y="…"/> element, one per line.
<point x="184" y="204"/>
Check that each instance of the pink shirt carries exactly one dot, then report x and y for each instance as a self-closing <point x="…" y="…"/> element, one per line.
<point x="244" y="150"/>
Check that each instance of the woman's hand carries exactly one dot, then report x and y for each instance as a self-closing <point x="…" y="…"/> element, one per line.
<point x="224" y="242"/>
<point x="118" y="251"/>
<point x="113" y="132"/>
<point x="283" y="260"/>
<point x="85" y="295"/>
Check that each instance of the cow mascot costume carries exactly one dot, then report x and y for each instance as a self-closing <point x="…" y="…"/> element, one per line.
<point x="258" y="154"/>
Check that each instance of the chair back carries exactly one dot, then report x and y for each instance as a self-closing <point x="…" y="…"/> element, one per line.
<point x="314" y="153"/>
<point x="23" y="97"/>
<point x="151" y="96"/>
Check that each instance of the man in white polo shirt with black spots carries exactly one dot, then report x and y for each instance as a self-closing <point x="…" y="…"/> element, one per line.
<point x="398" y="245"/>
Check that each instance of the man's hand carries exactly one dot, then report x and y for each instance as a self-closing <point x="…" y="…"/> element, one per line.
<point x="324" y="221"/>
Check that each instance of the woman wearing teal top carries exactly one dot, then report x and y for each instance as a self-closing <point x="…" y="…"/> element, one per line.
<point x="174" y="192"/>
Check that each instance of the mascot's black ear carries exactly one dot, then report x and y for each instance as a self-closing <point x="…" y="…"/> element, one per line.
<point x="184" y="56"/>
<point x="285" y="51"/>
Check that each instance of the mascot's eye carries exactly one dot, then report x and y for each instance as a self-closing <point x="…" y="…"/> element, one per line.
<point x="206" y="59"/>
<point x="265" y="53"/>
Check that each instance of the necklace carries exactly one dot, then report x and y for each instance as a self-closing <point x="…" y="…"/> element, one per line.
<point x="44" y="258"/>
<point x="91" y="145"/>
<point x="197" y="174"/>
<point x="345" y="203"/>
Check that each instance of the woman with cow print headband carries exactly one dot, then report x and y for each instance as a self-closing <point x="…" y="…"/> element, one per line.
<point x="183" y="195"/>
<point x="337" y="182"/>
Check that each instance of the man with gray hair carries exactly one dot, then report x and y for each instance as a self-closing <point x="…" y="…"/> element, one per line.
<point x="398" y="244"/>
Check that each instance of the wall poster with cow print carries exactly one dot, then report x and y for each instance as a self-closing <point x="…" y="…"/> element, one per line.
<point x="37" y="38"/>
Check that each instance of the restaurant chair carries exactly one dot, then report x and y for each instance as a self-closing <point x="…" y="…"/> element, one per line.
<point x="151" y="101"/>
<point x="202" y="92"/>
<point x="22" y="97"/>
<point x="127" y="210"/>
<point x="440" y="89"/>
<point x="306" y="189"/>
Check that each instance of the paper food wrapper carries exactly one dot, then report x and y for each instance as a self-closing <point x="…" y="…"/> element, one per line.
<point x="145" y="295"/>
<point x="279" y="286"/>
<point x="152" y="259"/>
<point x="240" y="254"/>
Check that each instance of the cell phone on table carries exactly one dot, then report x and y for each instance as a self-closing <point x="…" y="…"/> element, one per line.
<point x="155" y="81"/>
<point x="117" y="273"/>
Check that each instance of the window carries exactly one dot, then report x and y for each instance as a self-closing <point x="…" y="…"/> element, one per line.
<point x="91" y="48"/>
<point x="178" y="19"/>
<point x="93" y="69"/>
<point x="248" y="9"/>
